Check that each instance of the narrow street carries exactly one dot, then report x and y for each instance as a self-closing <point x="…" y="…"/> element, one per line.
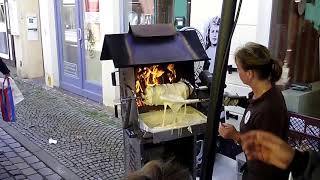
<point x="89" y="139"/>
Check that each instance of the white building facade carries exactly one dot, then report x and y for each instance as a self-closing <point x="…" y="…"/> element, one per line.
<point x="61" y="40"/>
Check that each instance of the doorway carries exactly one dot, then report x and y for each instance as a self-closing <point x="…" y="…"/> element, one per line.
<point x="79" y="47"/>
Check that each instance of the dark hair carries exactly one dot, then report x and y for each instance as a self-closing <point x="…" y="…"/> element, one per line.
<point x="257" y="57"/>
<point x="159" y="170"/>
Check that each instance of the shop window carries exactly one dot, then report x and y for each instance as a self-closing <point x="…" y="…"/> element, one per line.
<point x="150" y="11"/>
<point x="69" y="16"/>
<point x="2" y="16"/>
<point x="294" y="39"/>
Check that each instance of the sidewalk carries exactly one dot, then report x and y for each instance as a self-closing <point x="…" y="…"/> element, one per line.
<point x="18" y="163"/>
<point x="89" y="138"/>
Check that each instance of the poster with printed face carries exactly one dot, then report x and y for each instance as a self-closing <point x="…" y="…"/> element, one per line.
<point x="210" y="34"/>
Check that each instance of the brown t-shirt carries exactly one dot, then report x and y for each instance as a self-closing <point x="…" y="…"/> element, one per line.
<point x="267" y="113"/>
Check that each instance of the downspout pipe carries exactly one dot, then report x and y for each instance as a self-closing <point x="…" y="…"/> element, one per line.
<point x="217" y="88"/>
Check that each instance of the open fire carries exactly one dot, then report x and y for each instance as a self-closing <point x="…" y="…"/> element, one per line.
<point x="150" y="76"/>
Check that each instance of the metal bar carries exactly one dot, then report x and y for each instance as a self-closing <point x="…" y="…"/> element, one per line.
<point x="217" y="87"/>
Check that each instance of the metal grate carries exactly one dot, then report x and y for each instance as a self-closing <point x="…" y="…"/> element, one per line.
<point x="297" y="124"/>
<point x="304" y="132"/>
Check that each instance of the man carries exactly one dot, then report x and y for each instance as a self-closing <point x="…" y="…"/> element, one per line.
<point x="270" y="149"/>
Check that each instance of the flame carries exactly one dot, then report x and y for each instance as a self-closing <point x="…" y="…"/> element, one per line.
<point x="172" y="74"/>
<point x="152" y="76"/>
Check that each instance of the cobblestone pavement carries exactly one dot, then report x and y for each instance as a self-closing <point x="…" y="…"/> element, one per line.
<point x="18" y="163"/>
<point x="89" y="138"/>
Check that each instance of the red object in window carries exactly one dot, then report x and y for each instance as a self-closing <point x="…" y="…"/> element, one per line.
<point x="92" y="5"/>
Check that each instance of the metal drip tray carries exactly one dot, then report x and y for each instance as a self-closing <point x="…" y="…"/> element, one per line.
<point x="153" y="121"/>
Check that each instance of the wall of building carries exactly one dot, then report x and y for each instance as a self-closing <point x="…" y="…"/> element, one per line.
<point x="111" y="10"/>
<point x="48" y="35"/>
<point x="28" y="52"/>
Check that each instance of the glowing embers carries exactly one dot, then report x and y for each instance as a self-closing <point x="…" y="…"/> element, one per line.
<point x="150" y="76"/>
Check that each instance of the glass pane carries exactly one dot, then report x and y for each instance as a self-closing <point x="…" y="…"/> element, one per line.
<point x="93" y="40"/>
<point x="140" y="12"/>
<point x="3" y="31"/>
<point x="70" y="40"/>
<point x="164" y="9"/>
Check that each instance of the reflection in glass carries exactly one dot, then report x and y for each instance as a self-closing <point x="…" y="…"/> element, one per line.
<point x="93" y="41"/>
<point x="70" y="44"/>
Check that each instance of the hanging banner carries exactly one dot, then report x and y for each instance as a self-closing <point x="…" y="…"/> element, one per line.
<point x="92" y="5"/>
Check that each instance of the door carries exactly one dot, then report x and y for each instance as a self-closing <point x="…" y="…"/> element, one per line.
<point x="79" y="64"/>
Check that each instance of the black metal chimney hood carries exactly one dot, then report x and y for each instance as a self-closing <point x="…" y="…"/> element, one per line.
<point x="152" y="44"/>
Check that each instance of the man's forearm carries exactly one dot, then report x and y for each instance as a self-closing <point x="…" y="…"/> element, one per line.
<point x="299" y="163"/>
<point x="3" y="68"/>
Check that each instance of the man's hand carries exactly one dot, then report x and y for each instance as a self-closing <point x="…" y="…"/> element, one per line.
<point x="266" y="147"/>
<point x="228" y="131"/>
<point x="7" y="75"/>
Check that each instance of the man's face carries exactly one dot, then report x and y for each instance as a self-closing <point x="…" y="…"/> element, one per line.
<point x="214" y="32"/>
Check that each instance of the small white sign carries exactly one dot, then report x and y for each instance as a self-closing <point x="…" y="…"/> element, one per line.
<point x="247" y="117"/>
<point x="32" y="28"/>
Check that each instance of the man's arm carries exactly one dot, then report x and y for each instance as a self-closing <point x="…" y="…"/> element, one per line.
<point x="305" y="165"/>
<point x="3" y="68"/>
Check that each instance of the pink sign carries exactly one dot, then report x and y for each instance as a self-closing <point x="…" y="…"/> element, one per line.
<point x="92" y="5"/>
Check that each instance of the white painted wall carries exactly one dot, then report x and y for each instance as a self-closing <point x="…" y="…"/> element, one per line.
<point x="28" y="52"/>
<point x="49" y="48"/>
<point x="110" y="25"/>
<point x="264" y="20"/>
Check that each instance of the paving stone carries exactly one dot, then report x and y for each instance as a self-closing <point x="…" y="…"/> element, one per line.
<point x="9" y="140"/>
<point x="45" y="171"/>
<point x="2" y="170"/>
<point x="20" y="177"/>
<point x="15" y="145"/>
<point x="4" y="175"/>
<point x="6" y="163"/>
<point x="9" y="168"/>
<point x="35" y="177"/>
<point x="9" y="178"/>
<point x="31" y="159"/>
<point x="19" y="149"/>
<point x="10" y="154"/>
<point x="5" y="149"/>
<point x="28" y="171"/>
<point x="38" y="165"/>
<point x="22" y="165"/>
<point x="24" y="154"/>
<point x="53" y="177"/>
<point x="6" y="137"/>
<point x="15" y="172"/>
<point x="16" y="160"/>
